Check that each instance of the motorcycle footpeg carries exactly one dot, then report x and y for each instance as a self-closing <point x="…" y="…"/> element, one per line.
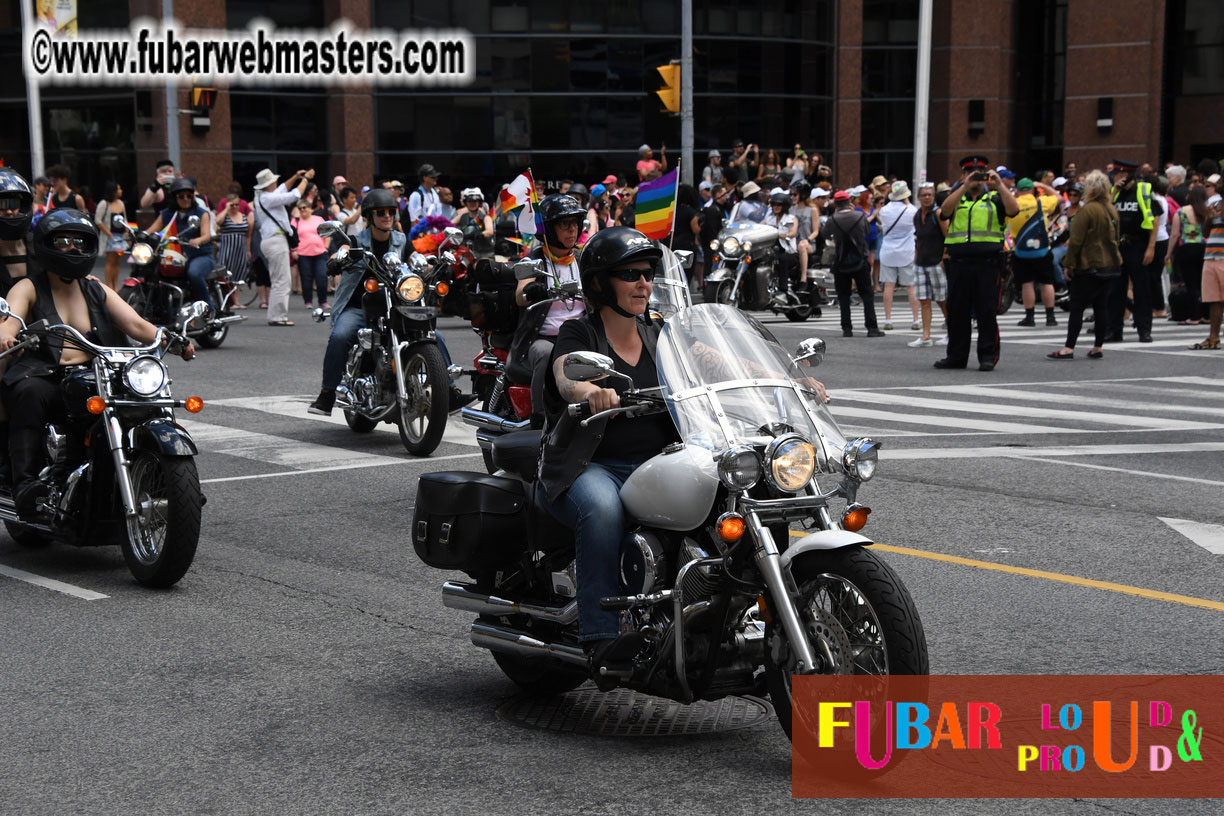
<point x="619" y="603"/>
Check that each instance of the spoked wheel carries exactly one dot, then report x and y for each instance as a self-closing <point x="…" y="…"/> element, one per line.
<point x="137" y="298"/>
<point x="423" y="413"/>
<point x="161" y="541"/>
<point x="859" y="618"/>
<point x="215" y="337"/>
<point x="718" y="292"/>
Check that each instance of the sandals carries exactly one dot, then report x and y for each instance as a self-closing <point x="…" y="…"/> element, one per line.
<point x="1058" y="355"/>
<point x="1206" y="345"/>
<point x="280" y="323"/>
<point x="1095" y="355"/>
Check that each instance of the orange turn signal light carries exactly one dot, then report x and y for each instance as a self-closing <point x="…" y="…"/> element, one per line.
<point x="95" y="405"/>
<point x="761" y="605"/>
<point x="856" y="519"/>
<point x="193" y="404"/>
<point x="731" y="528"/>
<point x="371" y="285"/>
<point x="442" y="289"/>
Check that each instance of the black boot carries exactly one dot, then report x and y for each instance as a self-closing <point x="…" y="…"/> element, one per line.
<point x="324" y="403"/>
<point x="612" y="658"/>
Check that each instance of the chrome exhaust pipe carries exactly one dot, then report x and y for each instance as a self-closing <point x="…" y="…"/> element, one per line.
<point x="511" y="641"/>
<point x="492" y="422"/>
<point x="461" y="597"/>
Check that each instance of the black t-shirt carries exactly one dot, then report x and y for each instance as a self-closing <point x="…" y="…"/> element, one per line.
<point x="682" y="230"/>
<point x="928" y="238"/>
<point x="379" y="248"/>
<point x="635" y="439"/>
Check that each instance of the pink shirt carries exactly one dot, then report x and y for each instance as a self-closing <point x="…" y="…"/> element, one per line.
<point x="647" y="166"/>
<point x="309" y="242"/>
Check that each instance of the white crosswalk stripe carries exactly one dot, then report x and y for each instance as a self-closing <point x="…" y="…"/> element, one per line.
<point x="1109" y="407"/>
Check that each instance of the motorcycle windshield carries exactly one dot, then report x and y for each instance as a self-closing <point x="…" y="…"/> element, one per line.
<point x="670" y="293"/>
<point x="728" y="381"/>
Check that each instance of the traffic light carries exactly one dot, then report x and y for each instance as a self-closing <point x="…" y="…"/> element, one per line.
<point x="670" y="92"/>
<point x="202" y="100"/>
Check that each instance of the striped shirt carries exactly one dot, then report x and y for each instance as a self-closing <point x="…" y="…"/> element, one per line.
<point x="1214" y="232"/>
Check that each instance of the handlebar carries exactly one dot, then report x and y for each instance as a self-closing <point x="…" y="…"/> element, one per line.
<point x="159" y="343"/>
<point x="31" y="342"/>
<point x="633" y="404"/>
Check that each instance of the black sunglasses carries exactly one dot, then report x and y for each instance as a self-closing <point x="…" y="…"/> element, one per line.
<point x="63" y="243"/>
<point x="10" y="203"/>
<point x="184" y="194"/>
<point x="1073" y="193"/>
<point x="631" y="275"/>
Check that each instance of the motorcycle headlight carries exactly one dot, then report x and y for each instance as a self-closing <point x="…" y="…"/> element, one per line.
<point x="145" y="376"/>
<point x="792" y="461"/>
<point x="142" y="254"/>
<point x="410" y="287"/>
<point x="730" y="245"/>
<point x="747" y="245"/>
<point x="739" y="468"/>
<point x="714" y="245"/>
<point x="861" y="457"/>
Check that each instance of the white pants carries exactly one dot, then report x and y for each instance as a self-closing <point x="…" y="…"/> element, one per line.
<point x="275" y="250"/>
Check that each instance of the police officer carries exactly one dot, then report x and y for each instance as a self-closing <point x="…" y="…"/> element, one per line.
<point x="1138" y="213"/>
<point x="977" y="209"/>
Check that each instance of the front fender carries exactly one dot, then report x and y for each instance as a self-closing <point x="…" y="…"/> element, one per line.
<point x="822" y="540"/>
<point x="720" y="273"/>
<point x="163" y="436"/>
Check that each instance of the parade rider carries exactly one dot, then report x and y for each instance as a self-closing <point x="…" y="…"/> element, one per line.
<point x="64" y="247"/>
<point x="563" y="219"/>
<point x="348" y="317"/>
<point x="193" y="240"/>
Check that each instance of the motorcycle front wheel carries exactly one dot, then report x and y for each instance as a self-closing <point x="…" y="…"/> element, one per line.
<point x="161" y="541"/>
<point x="423" y="415"/>
<point x="137" y="298"/>
<point x="717" y="291"/>
<point x="859" y="618"/>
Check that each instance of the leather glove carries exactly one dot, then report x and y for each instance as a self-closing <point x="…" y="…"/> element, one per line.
<point x="535" y="291"/>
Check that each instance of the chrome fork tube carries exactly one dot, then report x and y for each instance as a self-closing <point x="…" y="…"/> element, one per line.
<point x="397" y="348"/>
<point x="782" y="588"/>
<point x="114" y="437"/>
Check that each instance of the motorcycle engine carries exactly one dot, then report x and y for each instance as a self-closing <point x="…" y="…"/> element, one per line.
<point x="643" y="562"/>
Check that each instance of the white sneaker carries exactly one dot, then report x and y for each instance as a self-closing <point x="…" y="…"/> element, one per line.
<point x="943" y="341"/>
<point x="888" y="326"/>
<point x="920" y="343"/>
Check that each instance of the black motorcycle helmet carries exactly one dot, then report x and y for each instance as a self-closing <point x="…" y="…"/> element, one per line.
<point x="379" y="198"/>
<point x="70" y="227"/>
<point x="802" y="188"/>
<point x="180" y="185"/>
<point x="781" y="199"/>
<point x="605" y="251"/>
<point x="1076" y="187"/>
<point x="12" y="184"/>
<point x="552" y="209"/>
<point x="580" y="193"/>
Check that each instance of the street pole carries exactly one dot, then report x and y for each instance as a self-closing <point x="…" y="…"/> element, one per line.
<point x="172" y="114"/>
<point x="923" y="101"/>
<point x="686" y="91"/>
<point x="34" y="98"/>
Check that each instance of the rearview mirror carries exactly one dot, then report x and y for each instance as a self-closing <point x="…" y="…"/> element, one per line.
<point x="454" y="235"/>
<point x="587" y="366"/>
<point x="811" y="352"/>
<point x="333" y="229"/>
<point x="685" y="257"/>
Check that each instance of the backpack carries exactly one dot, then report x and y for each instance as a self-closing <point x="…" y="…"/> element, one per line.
<point x="1033" y="241"/>
<point x="849" y="258"/>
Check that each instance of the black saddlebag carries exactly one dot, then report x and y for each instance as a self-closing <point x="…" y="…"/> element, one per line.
<point x="469" y="521"/>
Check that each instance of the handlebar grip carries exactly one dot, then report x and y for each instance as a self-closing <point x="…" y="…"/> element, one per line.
<point x="579" y="409"/>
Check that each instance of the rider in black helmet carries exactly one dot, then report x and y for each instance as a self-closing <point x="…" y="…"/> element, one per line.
<point x="788" y="244"/>
<point x="193" y="225"/>
<point x="16" y="210"/>
<point x="583" y="469"/>
<point x="563" y="218"/>
<point x="64" y="248"/>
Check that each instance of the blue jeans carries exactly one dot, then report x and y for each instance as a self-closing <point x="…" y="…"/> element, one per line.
<point x="1059" y="252"/>
<point x="343" y="337"/>
<point x="591" y="507"/>
<point x="312" y="269"/>
<point x="197" y="273"/>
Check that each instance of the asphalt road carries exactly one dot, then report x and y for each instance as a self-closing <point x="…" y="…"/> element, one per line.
<point x="305" y="664"/>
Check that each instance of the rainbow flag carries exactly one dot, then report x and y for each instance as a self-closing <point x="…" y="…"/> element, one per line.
<point x="654" y="208"/>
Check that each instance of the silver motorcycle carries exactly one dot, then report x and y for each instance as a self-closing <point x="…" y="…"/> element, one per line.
<point x="724" y="597"/>
<point x="748" y="270"/>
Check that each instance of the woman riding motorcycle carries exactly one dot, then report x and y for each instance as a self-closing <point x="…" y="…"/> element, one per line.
<point x="563" y="218"/>
<point x="475" y="222"/>
<point x="199" y="256"/>
<point x="583" y="469"/>
<point x="64" y="247"/>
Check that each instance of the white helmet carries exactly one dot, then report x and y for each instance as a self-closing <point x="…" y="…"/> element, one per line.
<point x="470" y="193"/>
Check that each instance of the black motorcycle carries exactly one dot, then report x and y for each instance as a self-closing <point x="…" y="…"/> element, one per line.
<point x="159" y="291"/>
<point x="395" y="372"/>
<point x="121" y="471"/>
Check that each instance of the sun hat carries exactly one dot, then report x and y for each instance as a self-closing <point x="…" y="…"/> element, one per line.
<point x="264" y="178"/>
<point x="751" y="188"/>
<point x="900" y="191"/>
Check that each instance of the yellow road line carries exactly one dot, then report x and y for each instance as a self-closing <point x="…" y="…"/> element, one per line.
<point x="1109" y="586"/>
